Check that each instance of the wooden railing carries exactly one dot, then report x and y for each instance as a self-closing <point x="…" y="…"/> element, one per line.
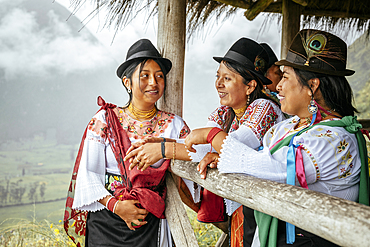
<point x="343" y="222"/>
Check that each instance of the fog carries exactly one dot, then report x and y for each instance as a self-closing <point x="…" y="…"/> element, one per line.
<point x="53" y="66"/>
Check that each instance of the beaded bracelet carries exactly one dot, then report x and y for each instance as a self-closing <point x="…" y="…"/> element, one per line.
<point x="212" y="133"/>
<point x="111" y="203"/>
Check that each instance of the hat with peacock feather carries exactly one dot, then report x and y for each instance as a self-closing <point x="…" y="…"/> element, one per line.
<point x="318" y="51"/>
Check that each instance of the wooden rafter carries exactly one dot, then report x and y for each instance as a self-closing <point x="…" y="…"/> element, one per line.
<point x="257" y="8"/>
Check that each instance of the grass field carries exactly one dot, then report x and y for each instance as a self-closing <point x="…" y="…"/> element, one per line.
<point x="26" y="164"/>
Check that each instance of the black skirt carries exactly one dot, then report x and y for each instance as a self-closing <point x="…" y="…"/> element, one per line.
<point x="106" y="229"/>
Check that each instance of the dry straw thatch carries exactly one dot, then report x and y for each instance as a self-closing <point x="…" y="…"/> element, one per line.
<point x="352" y="15"/>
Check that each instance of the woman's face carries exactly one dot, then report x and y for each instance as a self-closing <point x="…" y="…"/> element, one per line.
<point x="274" y="74"/>
<point x="294" y="98"/>
<point x="150" y="87"/>
<point x="230" y="87"/>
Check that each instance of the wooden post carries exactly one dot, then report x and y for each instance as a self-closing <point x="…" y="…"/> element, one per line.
<point x="181" y="229"/>
<point x="171" y="44"/>
<point x="291" y="24"/>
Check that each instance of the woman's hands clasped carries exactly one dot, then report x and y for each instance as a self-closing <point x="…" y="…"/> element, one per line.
<point x="145" y="153"/>
<point x="128" y="212"/>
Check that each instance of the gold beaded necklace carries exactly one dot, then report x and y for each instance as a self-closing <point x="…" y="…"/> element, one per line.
<point x="239" y="112"/>
<point x="139" y="114"/>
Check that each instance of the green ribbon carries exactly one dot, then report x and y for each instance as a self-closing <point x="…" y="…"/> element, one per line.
<point x="268" y="225"/>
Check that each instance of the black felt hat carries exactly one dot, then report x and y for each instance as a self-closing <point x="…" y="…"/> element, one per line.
<point x="142" y="49"/>
<point x="249" y="54"/>
<point x="272" y="57"/>
<point x="318" y="51"/>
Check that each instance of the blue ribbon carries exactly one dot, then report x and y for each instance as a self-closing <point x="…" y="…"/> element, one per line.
<point x="290" y="179"/>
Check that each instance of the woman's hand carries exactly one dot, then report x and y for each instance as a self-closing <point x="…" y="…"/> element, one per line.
<point x="197" y="136"/>
<point x="128" y="211"/>
<point x="210" y="159"/>
<point x="144" y="156"/>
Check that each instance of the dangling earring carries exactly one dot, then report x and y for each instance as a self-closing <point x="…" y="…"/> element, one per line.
<point x="267" y="90"/>
<point x="312" y="108"/>
<point x="248" y="99"/>
<point x="129" y="91"/>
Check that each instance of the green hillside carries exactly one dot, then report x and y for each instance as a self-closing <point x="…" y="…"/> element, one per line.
<point x="359" y="60"/>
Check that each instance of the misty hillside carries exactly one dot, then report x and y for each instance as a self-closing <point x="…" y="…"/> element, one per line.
<point x="359" y="60"/>
<point x="50" y="74"/>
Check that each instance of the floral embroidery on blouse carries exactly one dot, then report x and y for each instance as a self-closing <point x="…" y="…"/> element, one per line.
<point x="342" y="146"/>
<point x="112" y="182"/>
<point x="185" y="131"/>
<point x="153" y="127"/>
<point x="314" y="162"/>
<point x="259" y="117"/>
<point x="98" y="127"/>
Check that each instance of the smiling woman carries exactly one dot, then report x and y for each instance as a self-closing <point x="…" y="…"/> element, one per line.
<point x="108" y="202"/>
<point x="321" y="148"/>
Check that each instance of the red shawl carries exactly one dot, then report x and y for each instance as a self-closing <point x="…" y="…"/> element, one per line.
<point x="148" y="186"/>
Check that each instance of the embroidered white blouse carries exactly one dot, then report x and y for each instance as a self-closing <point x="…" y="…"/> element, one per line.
<point x="330" y="154"/>
<point x="98" y="157"/>
<point x="259" y="116"/>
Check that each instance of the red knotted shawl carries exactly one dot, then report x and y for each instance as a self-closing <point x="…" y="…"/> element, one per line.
<point x="148" y="186"/>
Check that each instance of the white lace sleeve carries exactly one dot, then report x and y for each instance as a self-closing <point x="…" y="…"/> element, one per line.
<point x="237" y="157"/>
<point x="91" y="174"/>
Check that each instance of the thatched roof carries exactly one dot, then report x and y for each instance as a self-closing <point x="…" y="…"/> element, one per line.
<point x="350" y="14"/>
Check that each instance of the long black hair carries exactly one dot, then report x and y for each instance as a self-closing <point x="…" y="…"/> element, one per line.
<point x="247" y="77"/>
<point x="129" y="71"/>
<point x="336" y="91"/>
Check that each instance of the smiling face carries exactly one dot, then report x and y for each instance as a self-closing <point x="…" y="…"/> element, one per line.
<point x="147" y="85"/>
<point x="294" y="97"/>
<point x="230" y="87"/>
<point x="274" y="74"/>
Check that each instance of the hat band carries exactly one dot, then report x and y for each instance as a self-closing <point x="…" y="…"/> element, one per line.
<point x="142" y="54"/>
<point x="312" y="63"/>
<point x="239" y="58"/>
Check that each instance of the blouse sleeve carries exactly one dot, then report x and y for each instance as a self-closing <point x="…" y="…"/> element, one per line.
<point x="91" y="172"/>
<point x="330" y="156"/>
<point x="236" y="157"/>
<point x="260" y="116"/>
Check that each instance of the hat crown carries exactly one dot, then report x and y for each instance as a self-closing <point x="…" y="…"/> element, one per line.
<point x="253" y="52"/>
<point x="143" y="49"/>
<point x="318" y="51"/>
<point x="249" y="54"/>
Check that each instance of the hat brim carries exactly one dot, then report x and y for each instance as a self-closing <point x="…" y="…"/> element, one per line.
<point x="164" y="61"/>
<point x="264" y="80"/>
<point x="346" y="72"/>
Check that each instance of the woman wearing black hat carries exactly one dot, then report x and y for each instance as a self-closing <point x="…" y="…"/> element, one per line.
<point x="109" y="203"/>
<point x="323" y="135"/>
<point x="245" y="112"/>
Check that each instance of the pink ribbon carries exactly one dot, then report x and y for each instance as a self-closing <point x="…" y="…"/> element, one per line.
<point x="301" y="176"/>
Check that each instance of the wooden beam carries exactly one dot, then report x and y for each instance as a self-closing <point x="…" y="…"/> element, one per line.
<point x="236" y="3"/>
<point x="326" y="216"/>
<point x="171" y="44"/>
<point x="276" y="7"/>
<point x="301" y="2"/>
<point x="257" y="8"/>
<point x="181" y="229"/>
<point x="290" y="26"/>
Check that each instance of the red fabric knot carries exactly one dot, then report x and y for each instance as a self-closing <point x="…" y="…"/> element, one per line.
<point x="104" y="105"/>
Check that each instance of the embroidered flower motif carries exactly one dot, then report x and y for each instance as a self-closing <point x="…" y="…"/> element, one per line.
<point x="161" y="123"/>
<point x="131" y="129"/>
<point x="91" y="124"/>
<point x="114" y="185"/>
<point x="342" y="146"/>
